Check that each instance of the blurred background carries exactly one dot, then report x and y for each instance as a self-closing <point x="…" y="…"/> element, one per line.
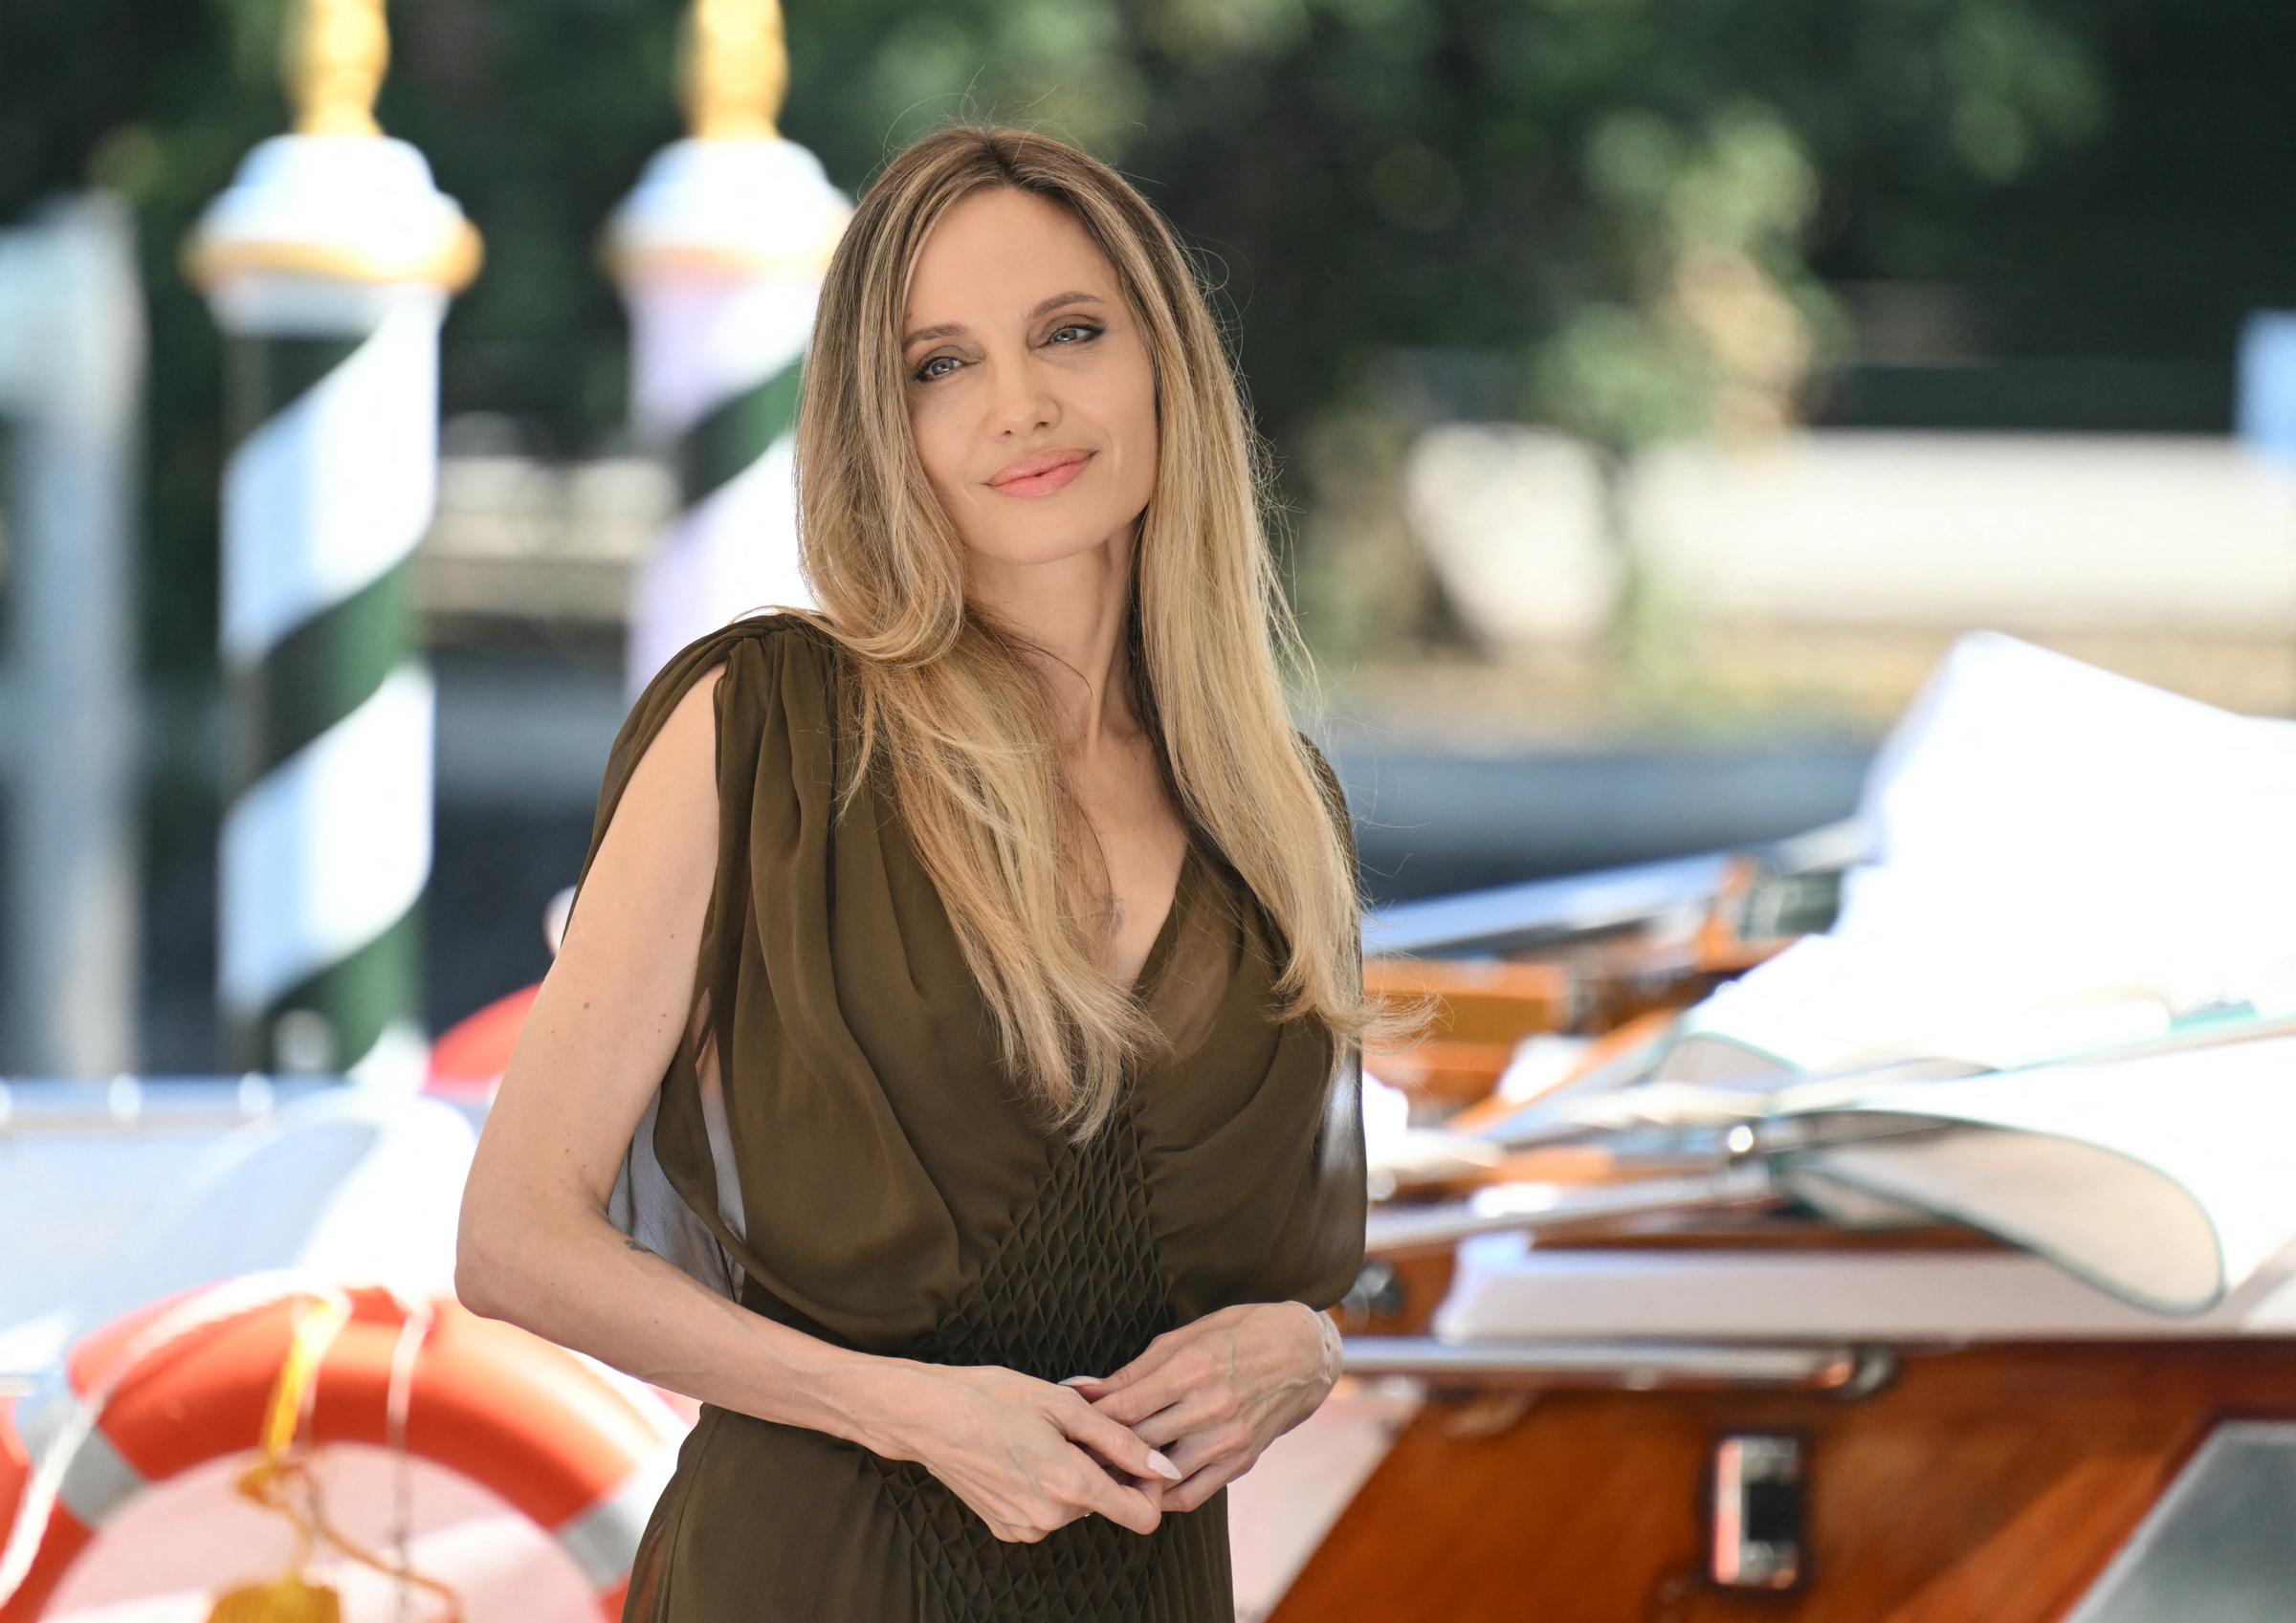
<point x="1658" y="390"/>
<point x="1695" y="425"/>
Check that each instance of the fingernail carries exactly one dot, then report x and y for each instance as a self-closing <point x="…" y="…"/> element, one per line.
<point x="1079" y="1380"/>
<point x="1165" y="1467"/>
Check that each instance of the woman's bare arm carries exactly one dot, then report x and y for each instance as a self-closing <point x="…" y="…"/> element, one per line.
<point x="535" y="1247"/>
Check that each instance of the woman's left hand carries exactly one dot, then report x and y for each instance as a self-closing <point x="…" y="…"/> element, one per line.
<point x="1214" y="1393"/>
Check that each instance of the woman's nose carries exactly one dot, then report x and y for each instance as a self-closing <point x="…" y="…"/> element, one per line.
<point x="1021" y="399"/>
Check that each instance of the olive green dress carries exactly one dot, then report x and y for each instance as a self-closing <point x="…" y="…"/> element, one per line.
<point x="859" y="1167"/>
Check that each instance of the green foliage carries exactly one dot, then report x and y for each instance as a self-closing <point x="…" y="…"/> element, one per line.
<point x="1522" y="179"/>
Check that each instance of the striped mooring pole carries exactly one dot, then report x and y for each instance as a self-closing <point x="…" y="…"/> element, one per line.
<point x="720" y="252"/>
<point x="329" y="264"/>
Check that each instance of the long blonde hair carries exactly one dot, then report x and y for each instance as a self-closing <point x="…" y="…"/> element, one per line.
<point x="949" y="706"/>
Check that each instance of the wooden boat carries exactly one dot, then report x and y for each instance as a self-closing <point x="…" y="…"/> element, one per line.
<point x="1753" y="1415"/>
<point x="1659" y="1369"/>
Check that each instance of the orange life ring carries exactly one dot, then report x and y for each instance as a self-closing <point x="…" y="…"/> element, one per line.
<point x="581" y="1451"/>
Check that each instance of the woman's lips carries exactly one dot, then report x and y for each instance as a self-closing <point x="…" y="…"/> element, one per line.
<point x="1045" y="483"/>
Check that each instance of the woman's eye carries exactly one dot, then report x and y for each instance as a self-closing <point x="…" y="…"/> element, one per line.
<point x="925" y="374"/>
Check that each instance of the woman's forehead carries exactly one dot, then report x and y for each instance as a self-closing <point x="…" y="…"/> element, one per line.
<point x="1000" y="261"/>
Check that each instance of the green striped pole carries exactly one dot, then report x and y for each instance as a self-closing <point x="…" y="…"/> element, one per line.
<point x="328" y="265"/>
<point x="720" y="253"/>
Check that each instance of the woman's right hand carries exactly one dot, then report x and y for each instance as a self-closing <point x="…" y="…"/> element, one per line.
<point x="1027" y="1455"/>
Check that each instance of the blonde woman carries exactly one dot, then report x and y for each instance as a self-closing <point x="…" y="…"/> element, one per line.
<point x="948" y="1074"/>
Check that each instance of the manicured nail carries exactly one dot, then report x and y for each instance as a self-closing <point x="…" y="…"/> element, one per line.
<point x="1079" y="1380"/>
<point x="1165" y="1467"/>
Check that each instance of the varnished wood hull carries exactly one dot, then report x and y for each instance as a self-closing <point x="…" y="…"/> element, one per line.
<point x="1986" y="1485"/>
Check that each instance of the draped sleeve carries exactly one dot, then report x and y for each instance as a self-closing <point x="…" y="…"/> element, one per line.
<point x="769" y="1164"/>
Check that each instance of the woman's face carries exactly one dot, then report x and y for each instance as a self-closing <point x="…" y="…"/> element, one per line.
<point x="1018" y="345"/>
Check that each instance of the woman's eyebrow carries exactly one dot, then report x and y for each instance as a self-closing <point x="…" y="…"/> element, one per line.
<point x="950" y="329"/>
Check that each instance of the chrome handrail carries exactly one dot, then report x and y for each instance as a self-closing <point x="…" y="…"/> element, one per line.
<point x="1843" y="1370"/>
<point x="1533" y="1208"/>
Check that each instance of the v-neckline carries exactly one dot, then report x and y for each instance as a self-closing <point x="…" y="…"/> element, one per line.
<point x="1159" y="948"/>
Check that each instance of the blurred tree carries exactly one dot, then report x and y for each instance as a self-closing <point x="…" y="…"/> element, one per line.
<point x="1614" y="202"/>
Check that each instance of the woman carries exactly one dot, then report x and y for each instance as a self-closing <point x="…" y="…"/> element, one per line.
<point x="960" y="1011"/>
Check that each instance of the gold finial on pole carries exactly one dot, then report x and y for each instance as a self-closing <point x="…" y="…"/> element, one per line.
<point x="736" y="68"/>
<point x="336" y="52"/>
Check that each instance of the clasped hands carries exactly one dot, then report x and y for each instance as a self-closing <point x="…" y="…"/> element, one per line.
<point x="1211" y="1394"/>
<point x="1190" y="1414"/>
